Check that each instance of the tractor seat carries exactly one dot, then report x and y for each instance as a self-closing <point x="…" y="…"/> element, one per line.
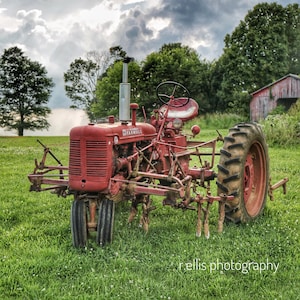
<point x="185" y="113"/>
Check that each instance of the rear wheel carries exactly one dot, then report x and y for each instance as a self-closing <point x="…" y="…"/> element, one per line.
<point x="79" y="228"/>
<point x="105" y="222"/>
<point x="243" y="171"/>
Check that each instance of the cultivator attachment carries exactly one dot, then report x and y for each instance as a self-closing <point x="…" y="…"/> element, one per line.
<point x="46" y="178"/>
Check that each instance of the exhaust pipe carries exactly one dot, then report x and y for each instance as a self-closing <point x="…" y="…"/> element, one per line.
<point x="124" y="95"/>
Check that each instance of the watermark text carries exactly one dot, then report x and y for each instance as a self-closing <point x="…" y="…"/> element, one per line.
<point x="224" y="266"/>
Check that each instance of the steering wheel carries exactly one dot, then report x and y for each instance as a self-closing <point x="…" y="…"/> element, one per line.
<point x="171" y="89"/>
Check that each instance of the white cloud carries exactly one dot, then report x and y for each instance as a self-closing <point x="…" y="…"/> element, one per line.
<point x="158" y="24"/>
<point x="93" y="18"/>
<point x="7" y="23"/>
<point x="57" y="32"/>
<point x="98" y="15"/>
<point x="61" y="122"/>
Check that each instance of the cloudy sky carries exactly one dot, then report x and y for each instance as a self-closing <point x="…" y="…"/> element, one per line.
<point x="55" y="32"/>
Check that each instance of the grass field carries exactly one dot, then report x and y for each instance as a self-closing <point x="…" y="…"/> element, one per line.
<point x="38" y="261"/>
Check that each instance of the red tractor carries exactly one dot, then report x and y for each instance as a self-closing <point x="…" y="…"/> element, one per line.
<point x="129" y="160"/>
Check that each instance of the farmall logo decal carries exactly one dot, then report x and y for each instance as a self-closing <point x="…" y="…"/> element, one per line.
<point x="131" y="131"/>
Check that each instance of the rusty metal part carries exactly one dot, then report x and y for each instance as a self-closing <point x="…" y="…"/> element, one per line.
<point x="277" y="185"/>
<point x="146" y="209"/>
<point x="206" y="222"/>
<point x="56" y="182"/>
<point x="47" y="150"/>
<point x="133" y="213"/>
<point x="92" y="224"/>
<point x="44" y="175"/>
<point x="209" y="199"/>
<point x="116" y="188"/>
<point x="199" y="219"/>
<point x="221" y="215"/>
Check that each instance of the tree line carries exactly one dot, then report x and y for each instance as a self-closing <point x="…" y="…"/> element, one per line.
<point x="261" y="49"/>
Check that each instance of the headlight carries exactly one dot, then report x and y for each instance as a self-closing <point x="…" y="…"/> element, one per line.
<point x="177" y="123"/>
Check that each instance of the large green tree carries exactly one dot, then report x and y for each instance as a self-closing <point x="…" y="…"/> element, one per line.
<point x="172" y="62"/>
<point x="263" y="48"/>
<point x="107" y="91"/>
<point x="82" y="76"/>
<point x="293" y="37"/>
<point x="24" y="92"/>
<point x="178" y="63"/>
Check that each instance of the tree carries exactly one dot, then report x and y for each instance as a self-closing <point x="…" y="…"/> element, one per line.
<point x="293" y="37"/>
<point x="260" y="50"/>
<point x="107" y="91"/>
<point x="82" y="76"/>
<point x="117" y="53"/>
<point x="24" y="91"/>
<point x="172" y="62"/>
<point x="179" y="63"/>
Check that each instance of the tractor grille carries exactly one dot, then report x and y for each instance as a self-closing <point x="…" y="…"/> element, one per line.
<point x="88" y="160"/>
<point x="96" y="158"/>
<point x="74" y="164"/>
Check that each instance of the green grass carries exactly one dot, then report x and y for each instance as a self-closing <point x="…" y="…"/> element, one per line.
<point x="216" y="120"/>
<point x="283" y="129"/>
<point x="37" y="260"/>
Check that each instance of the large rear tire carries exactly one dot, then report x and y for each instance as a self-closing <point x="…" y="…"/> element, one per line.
<point x="105" y="222"/>
<point x="243" y="171"/>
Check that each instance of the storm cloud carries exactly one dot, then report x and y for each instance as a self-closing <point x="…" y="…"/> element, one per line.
<point x="57" y="32"/>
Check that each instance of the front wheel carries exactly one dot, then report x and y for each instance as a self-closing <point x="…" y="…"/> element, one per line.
<point x="105" y="222"/>
<point x="79" y="228"/>
<point x="243" y="171"/>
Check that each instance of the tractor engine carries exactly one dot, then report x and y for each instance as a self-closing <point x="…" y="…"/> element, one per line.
<point x="98" y="152"/>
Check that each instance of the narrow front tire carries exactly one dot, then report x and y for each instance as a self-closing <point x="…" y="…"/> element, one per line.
<point x="105" y="222"/>
<point x="79" y="228"/>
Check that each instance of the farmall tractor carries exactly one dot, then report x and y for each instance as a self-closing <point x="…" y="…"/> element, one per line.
<point x="132" y="161"/>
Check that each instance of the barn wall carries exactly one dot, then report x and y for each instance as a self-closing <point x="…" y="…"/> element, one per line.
<point x="265" y="100"/>
<point x="261" y="105"/>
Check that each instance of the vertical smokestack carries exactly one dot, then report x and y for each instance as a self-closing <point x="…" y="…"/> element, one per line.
<point x="124" y="96"/>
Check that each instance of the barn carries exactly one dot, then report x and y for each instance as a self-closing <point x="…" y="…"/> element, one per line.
<point x="285" y="91"/>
